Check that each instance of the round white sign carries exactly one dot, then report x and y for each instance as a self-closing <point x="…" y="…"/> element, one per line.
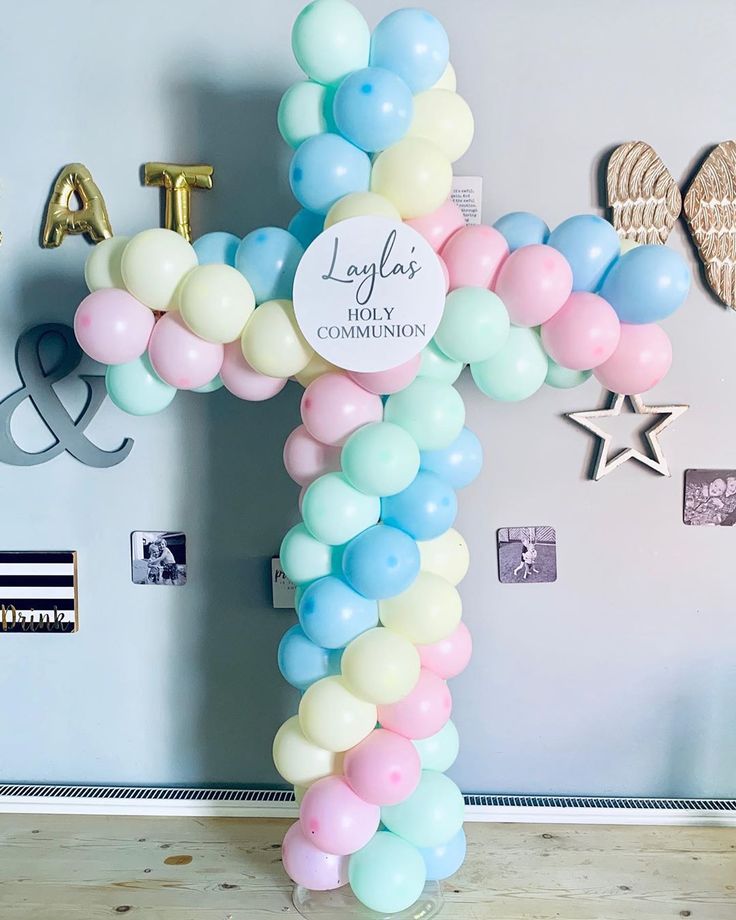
<point x="369" y="293"/>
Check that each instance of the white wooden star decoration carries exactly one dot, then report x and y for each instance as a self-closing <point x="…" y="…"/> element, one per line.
<point x="604" y="463"/>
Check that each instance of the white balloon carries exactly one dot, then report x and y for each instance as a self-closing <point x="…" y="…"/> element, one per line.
<point x="102" y="268"/>
<point x="446" y="555"/>
<point x="153" y="265"/>
<point x="297" y="759"/>
<point x="216" y="302"/>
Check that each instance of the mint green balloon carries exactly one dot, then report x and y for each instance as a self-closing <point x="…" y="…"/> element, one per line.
<point x="334" y="512"/>
<point x="431" y="411"/>
<point x="439" y="751"/>
<point x="211" y="387"/>
<point x="303" y="558"/>
<point x="388" y="874"/>
<point x="330" y="39"/>
<point x="475" y="325"/>
<point x="301" y="112"/>
<point x="515" y="372"/>
<point x="380" y="459"/>
<point x="435" y="363"/>
<point x="136" y="388"/>
<point x="432" y="814"/>
<point x="562" y="377"/>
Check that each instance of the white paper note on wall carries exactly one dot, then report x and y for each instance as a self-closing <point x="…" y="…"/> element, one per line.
<point x="282" y="589"/>
<point x="467" y="193"/>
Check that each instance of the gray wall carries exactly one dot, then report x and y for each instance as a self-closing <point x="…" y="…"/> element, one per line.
<point x="620" y="677"/>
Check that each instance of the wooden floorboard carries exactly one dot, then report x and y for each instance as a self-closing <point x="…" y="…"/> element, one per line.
<point x="90" y="868"/>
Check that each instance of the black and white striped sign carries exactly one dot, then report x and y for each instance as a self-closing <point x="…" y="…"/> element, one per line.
<point x="38" y="592"/>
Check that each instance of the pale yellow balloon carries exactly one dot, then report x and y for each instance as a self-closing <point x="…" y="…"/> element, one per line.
<point x="448" y="80"/>
<point x="414" y="174"/>
<point x="153" y="265"/>
<point x="298" y="760"/>
<point x="272" y="341"/>
<point x="333" y="718"/>
<point x="316" y="367"/>
<point x="361" y="204"/>
<point x="446" y="555"/>
<point x="444" y="118"/>
<point x="426" y="612"/>
<point x="299" y="794"/>
<point x="627" y="245"/>
<point x="380" y="666"/>
<point x="216" y="302"/>
<point x="102" y="268"/>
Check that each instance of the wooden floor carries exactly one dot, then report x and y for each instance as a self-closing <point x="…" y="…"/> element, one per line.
<point x="89" y="868"/>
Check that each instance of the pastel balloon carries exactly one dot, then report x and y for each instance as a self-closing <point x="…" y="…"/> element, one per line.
<point x="333" y="717"/>
<point x="445" y="859"/>
<point x="590" y="245"/>
<point x="335" y="512"/>
<point x="180" y="357"/>
<point x="216" y="302"/>
<point x="301" y="112"/>
<point x="439" y="751"/>
<point x="307" y="865"/>
<point x="381" y="562"/>
<point x="388" y="874"/>
<point x="436" y="364"/>
<point x="520" y="228"/>
<point x="304" y="559"/>
<point x="332" y="614"/>
<point x="414" y="175"/>
<point x="390" y="381"/>
<point x="474" y="326"/>
<point x="450" y="656"/>
<point x="420" y="713"/>
<point x="272" y="342"/>
<point x="430" y="410"/>
<point x="334" y="406"/>
<point x="102" y="268"/>
<point x="583" y="333"/>
<point x="211" y="387"/>
<point x="448" y="80"/>
<point x="325" y="168"/>
<point x="305" y="458"/>
<point x="136" y="388"/>
<point x="432" y="814"/>
<point x="316" y="367"/>
<point x="474" y="256"/>
<point x="534" y="282"/>
<point x="380" y="666"/>
<point x="268" y="258"/>
<point x="384" y="768"/>
<point x="428" y="611"/>
<point x="439" y="225"/>
<point x="425" y="509"/>
<point x="373" y="108"/>
<point x="562" y="378"/>
<point x="298" y="760"/>
<point x="153" y="264"/>
<point x="647" y="284"/>
<point x="306" y="226"/>
<point x="446" y="555"/>
<point x="330" y="39"/>
<point x="303" y="662"/>
<point x="112" y="326"/>
<point x="642" y="358"/>
<point x="380" y="459"/>
<point x="413" y="44"/>
<point x="361" y="204"/>
<point x="216" y="248"/>
<point x="445" y="119"/>
<point x="459" y="464"/>
<point x="244" y="381"/>
<point x="335" y="819"/>
<point x="515" y="372"/>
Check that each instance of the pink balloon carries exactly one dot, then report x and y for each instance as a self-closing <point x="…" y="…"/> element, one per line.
<point x="180" y="357"/>
<point x="641" y="360"/>
<point x="390" y="381"/>
<point x="307" y="865"/>
<point x="445" y="273"/>
<point x="534" y="282"/>
<point x="448" y="657"/>
<point x="306" y="458"/>
<point x="335" y="819"/>
<point x="584" y="333"/>
<point x="474" y="256"/>
<point x="243" y="381"/>
<point x="438" y="227"/>
<point x="334" y="406"/>
<point x="422" y="712"/>
<point x="384" y="768"/>
<point x="112" y="326"/>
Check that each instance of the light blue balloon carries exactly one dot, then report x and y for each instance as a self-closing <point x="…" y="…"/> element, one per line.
<point x="412" y="43"/>
<point x="216" y="248"/>
<point x="136" y="388"/>
<point x="306" y="226"/>
<point x="517" y="371"/>
<point x="388" y="874"/>
<point x="381" y="562"/>
<point x="324" y="169"/>
<point x="439" y="751"/>
<point x="562" y="378"/>
<point x="457" y="464"/>
<point x="302" y="663"/>
<point x="373" y="108"/>
<point x="424" y="510"/>
<point x="211" y="387"/>
<point x="332" y="614"/>
<point x="647" y="284"/>
<point x="521" y="228"/>
<point x="590" y="245"/>
<point x="445" y="859"/>
<point x="268" y="258"/>
<point x="432" y="814"/>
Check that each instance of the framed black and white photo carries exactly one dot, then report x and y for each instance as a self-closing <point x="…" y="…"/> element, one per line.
<point x="710" y="498"/>
<point x="527" y="555"/>
<point x="38" y="592"/>
<point x="158" y="557"/>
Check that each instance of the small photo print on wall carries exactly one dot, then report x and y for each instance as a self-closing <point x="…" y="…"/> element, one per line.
<point x="710" y="498"/>
<point x="159" y="557"/>
<point x="527" y="555"/>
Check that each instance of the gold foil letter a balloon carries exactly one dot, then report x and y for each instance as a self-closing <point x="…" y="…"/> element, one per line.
<point x="91" y="218"/>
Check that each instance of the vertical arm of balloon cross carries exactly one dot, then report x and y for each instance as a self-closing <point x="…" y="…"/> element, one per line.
<point x="178" y="182"/>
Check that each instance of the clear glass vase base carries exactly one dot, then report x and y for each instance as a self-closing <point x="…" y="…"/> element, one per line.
<point x="342" y="903"/>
